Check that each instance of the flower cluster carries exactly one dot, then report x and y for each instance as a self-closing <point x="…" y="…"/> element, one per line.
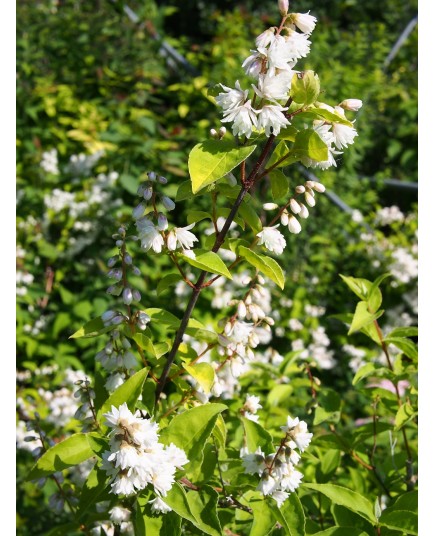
<point x="136" y="459"/>
<point x="152" y="224"/>
<point x="277" y="472"/>
<point x="250" y="408"/>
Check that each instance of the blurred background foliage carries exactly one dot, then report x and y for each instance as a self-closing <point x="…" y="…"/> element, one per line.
<point x="102" y="91"/>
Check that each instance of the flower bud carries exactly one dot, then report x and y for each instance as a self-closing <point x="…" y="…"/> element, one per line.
<point x="127" y="296"/>
<point x="136" y="271"/>
<point x="284" y="218"/>
<point x="241" y="309"/>
<point x="270" y="206"/>
<point x="136" y="295"/>
<point x="119" y="243"/>
<point x="294" y="206"/>
<point x="304" y="213"/>
<point x="147" y="193"/>
<point x="128" y="259"/>
<point x="167" y="202"/>
<point x="310" y="200"/>
<point x="294" y="225"/>
<point x="152" y="176"/>
<point x="283" y="6"/>
<point x="221" y="132"/>
<point x="351" y="104"/>
<point x="162" y="180"/>
<point x="106" y="317"/>
<point x="162" y="222"/>
<point x="213" y="133"/>
<point x="112" y="261"/>
<point x="139" y="211"/>
<point x="318" y="187"/>
<point x="300" y="189"/>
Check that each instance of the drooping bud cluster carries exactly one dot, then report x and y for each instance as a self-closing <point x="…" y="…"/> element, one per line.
<point x="136" y="459"/>
<point x="152" y="224"/>
<point x="85" y="394"/>
<point x="117" y="358"/>
<point x="277" y="472"/>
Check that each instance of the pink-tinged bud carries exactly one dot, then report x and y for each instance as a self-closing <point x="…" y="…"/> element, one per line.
<point x="304" y="213"/>
<point x="318" y="187"/>
<point x="300" y="189"/>
<point x="294" y="206"/>
<point x="284" y="218"/>
<point x="162" y="222"/>
<point x="310" y="200"/>
<point x="351" y="104"/>
<point x="241" y="310"/>
<point x="213" y="133"/>
<point x="270" y="206"/>
<point x="221" y="132"/>
<point x="283" y="7"/>
<point x="127" y="296"/>
<point x="294" y="225"/>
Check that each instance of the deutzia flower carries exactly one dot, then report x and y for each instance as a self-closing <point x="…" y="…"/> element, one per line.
<point x="297" y="431"/>
<point x="244" y="118"/>
<point x="351" y="104"/>
<point x="274" y="87"/>
<point x="232" y="98"/>
<point x="304" y="22"/>
<point x="272" y="239"/>
<point x="271" y="118"/>
<point x="181" y="237"/>
<point x="252" y="403"/>
<point x="159" y="506"/>
<point x="150" y="237"/>
<point x="344" y="135"/>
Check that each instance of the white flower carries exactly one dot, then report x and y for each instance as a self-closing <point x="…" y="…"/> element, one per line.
<point x="274" y="87"/>
<point x="49" y="162"/>
<point x="351" y="104"/>
<point x="175" y="456"/>
<point x="272" y="119"/>
<point x="265" y="38"/>
<point x="244" y="119"/>
<point x="272" y="239"/>
<point x="181" y="237"/>
<point x="126" y="456"/>
<point x="159" y="506"/>
<point x="304" y="22"/>
<point x="254" y="463"/>
<point x="292" y="480"/>
<point x="232" y="98"/>
<point x="297" y="431"/>
<point x="298" y="46"/>
<point x="344" y="135"/>
<point x="123" y="485"/>
<point x="254" y="63"/>
<point x="251" y="417"/>
<point x="118" y="514"/>
<point x="252" y="403"/>
<point x="281" y="54"/>
<point x="280" y="497"/>
<point x="150" y="237"/>
<point x="267" y="484"/>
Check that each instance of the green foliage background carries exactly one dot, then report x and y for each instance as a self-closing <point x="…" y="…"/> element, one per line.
<point x="90" y="79"/>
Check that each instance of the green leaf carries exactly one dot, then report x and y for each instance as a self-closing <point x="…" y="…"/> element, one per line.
<point x="210" y="262"/>
<point x="93" y="328"/>
<point x="176" y="498"/>
<point x="257" y="436"/>
<point x="145" y="343"/>
<point x="407" y="346"/>
<point x="184" y="191"/>
<point x="263" y="518"/>
<point x="212" y="159"/>
<point x="130" y="183"/>
<point x="330" y="461"/>
<point x="291" y="516"/>
<point x="161" y="316"/>
<point x="166" y="282"/>
<point x="160" y="525"/>
<point x="342" y="531"/>
<point x="405" y="414"/>
<point x="345" y="497"/>
<point x="359" y="286"/>
<point x="365" y="370"/>
<point x="305" y="87"/>
<point x="203" y="373"/>
<point x="190" y="431"/>
<point x="363" y="317"/>
<point x="193" y="216"/>
<point x="328" y="115"/>
<point x="410" y="331"/>
<point x="329" y="407"/>
<point x="248" y="213"/>
<point x="402" y="520"/>
<point x="279" y="152"/>
<point x="374" y="294"/>
<point x="203" y="505"/>
<point x="308" y="143"/>
<point x="220" y="431"/>
<point x="264" y="264"/>
<point x="95" y="489"/>
<point x="407" y="501"/>
<point x="279" y="184"/>
<point x="98" y="443"/>
<point x="128" y="392"/>
<point x="72" y="451"/>
<point x="288" y="133"/>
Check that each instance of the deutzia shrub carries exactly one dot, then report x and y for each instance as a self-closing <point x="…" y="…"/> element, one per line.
<point x="196" y="425"/>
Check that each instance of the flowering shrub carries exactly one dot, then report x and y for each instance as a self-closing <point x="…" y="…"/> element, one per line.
<point x="196" y="422"/>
